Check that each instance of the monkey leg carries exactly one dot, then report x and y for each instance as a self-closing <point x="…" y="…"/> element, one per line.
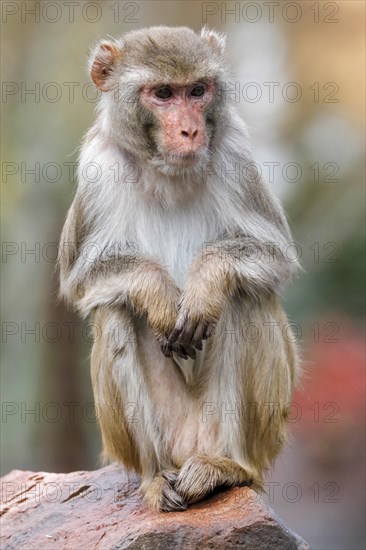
<point x="123" y="406"/>
<point x="201" y="474"/>
<point x="250" y="367"/>
<point x="184" y="439"/>
<point x="133" y="385"/>
<point x="269" y="378"/>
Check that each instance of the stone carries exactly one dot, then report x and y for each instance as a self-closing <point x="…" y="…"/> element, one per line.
<point x="103" y="509"/>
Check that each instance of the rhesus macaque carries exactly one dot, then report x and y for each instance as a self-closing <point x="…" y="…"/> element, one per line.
<point x="178" y="250"/>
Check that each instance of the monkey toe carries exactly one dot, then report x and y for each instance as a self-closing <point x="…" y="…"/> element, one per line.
<point x="171" y="501"/>
<point x="161" y="494"/>
<point x="170" y="476"/>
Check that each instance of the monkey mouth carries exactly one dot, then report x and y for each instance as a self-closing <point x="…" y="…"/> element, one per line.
<point x="174" y="164"/>
<point x="183" y="159"/>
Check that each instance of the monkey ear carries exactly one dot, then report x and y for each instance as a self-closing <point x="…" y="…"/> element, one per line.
<point x="102" y="62"/>
<point x="214" y="39"/>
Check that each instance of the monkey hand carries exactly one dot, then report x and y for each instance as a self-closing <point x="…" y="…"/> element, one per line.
<point x="204" y="298"/>
<point x="200" y="306"/>
<point x="188" y="334"/>
<point x="193" y="325"/>
<point x="182" y="348"/>
<point x="186" y="337"/>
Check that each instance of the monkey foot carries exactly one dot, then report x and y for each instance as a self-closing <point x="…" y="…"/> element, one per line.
<point x="201" y="475"/>
<point x="171" y="500"/>
<point x="161" y="494"/>
<point x="193" y="483"/>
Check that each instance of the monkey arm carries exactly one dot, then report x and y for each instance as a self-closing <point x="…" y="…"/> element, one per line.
<point x="136" y="282"/>
<point x="254" y="259"/>
<point x="89" y="279"/>
<point x="246" y="264"/>
<point x="144" y="286"/>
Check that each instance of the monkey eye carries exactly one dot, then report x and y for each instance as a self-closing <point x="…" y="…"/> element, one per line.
<point x="164" y="93"/>
<point x="198" y="91"/>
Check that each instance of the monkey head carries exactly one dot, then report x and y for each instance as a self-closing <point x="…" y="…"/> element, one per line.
<point x="162" y="95"/>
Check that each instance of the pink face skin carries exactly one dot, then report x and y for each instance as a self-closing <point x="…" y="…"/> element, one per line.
<point x="180" y="112"/>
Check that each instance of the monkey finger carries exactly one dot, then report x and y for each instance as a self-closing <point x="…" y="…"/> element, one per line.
<point x="191" y="352"/>
<point x="175" y="334"/>
<point x="173" y="337"/>
<point x="197" y="345"/>
<point x="186" y="334"/>
<point x="180" y="351"/>
<point x="198" y="335"/>
<point x="167" y="350"/>
<point x="184" y="351"/>
<point x="209" y="330"/>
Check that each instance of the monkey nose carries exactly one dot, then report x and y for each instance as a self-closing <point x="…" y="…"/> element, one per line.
<point x="190" y="133"/>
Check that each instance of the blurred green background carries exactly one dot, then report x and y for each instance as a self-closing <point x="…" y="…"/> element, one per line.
<point x="299" y="80"/>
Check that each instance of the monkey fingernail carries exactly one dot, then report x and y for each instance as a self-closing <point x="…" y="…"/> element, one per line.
<point x="185" y="337"/>
<point x="180" y="351"/>
<point x="175" y="335"/>
<point x="191" y="352"/>
<point x="167" y="351"/>
<point x="208" y="331"/>
<point x="198" y="335"/>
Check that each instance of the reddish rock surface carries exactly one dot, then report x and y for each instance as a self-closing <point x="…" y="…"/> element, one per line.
<point x="103" y="510"/>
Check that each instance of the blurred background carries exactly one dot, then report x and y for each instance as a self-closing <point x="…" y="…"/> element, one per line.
<point x="299" y="84"/>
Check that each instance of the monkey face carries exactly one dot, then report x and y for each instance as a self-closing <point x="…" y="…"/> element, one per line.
<point x="162" y="102"/>
<point x="180" y="130"/>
